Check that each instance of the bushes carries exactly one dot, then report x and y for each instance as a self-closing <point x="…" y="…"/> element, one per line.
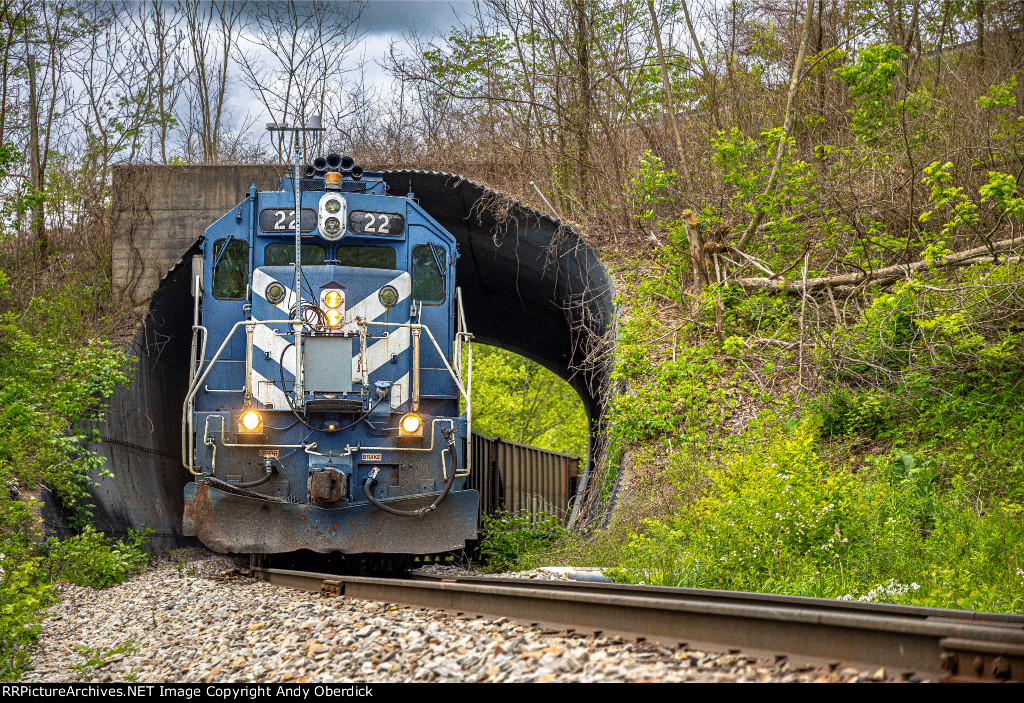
<point x="87" y="559"/>
<point x="51" y="378"/>
<point x="509" y="536"/>
<point x="777" y="519"/>
<point x="26" y="571"/>
<point x="25" y="593"/>
<point x="48" y="384"/>
<point x="24" y="596"/>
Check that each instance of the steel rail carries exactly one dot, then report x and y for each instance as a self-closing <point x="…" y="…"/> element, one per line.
<point x="931" y="643"/>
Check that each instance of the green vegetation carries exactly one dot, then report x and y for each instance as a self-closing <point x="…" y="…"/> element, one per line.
<point x="861" y="440"/>
<point x="88" y="559"/>
<point x="508" y="537"/>
<point x="56" y="372"/>
<point x="94" y="658"/>
<point x="519" y="400"/>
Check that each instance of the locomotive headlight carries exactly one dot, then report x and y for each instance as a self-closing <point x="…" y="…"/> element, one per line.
<point x="411" y="426"/>
<point x="250" y="421"/>
<point x="332" y="302"/>
<point x="331" y="216"/>
<point x="332" y="298"/>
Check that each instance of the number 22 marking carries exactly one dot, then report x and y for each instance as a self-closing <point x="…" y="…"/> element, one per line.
<point x="279" y="221"/>
<point x="384" y="227"/>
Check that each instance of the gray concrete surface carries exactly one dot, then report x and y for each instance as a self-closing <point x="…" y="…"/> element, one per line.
<point x="160" y="210"/>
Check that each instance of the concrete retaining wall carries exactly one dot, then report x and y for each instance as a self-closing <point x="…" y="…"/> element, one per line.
<point x="159" y="211"/>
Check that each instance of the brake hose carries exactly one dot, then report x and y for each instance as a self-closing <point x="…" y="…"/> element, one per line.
<point x="371" y="481"/>
<point x="268" y="467"/>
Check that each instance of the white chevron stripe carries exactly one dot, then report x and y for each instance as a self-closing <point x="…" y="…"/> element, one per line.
<point x="380" y="352"/>
<point x="370" y="307"/>
<point x="260" y="281"/>
<point x="264" y="339"/>
<point x="400" y="392"/>
<point x="267" y="393"/>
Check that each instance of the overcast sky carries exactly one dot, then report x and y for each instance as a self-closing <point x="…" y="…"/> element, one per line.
<point x="384" y="22"/>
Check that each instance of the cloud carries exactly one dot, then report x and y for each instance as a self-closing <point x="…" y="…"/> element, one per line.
<point x="429" y="17"/>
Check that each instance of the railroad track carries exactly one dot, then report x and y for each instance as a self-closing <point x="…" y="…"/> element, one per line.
<point x="929" y="643"/>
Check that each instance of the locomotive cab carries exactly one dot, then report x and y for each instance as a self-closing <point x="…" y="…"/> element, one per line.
<point x="323" y="409"/>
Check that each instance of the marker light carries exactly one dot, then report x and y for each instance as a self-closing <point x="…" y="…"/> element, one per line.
<point x="275" y="293"/>
<point x="332" y="299"/>
<point x="250" y="421"/>
<point x="388" y="296"/>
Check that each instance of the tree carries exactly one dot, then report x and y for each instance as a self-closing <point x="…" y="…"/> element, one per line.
<point x="298" y="59"/>
<point x="519" y="400"/>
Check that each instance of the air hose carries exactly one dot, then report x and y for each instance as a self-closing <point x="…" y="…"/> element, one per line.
<point x="371" y="481"/>
<point x="267" y="467"/>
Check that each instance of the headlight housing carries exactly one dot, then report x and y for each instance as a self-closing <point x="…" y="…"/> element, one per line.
<point x="250" y="422"/>
<point x="411" y="425"/>
<point x="332" y="302"/>
<point x="331" y="216"/>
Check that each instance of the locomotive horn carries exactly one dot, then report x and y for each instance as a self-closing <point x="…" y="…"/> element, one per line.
<point x="320" y="164"/>
<point x="357" y="173"/>
<point x="333" y="162"/>
<point x="347" y="162"/>
<point x="309" y="171"/>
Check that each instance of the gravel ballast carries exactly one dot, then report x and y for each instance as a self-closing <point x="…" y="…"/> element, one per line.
<point x="193" y="618"/>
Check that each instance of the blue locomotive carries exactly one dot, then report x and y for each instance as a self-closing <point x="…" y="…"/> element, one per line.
<point x="329" y="359"/>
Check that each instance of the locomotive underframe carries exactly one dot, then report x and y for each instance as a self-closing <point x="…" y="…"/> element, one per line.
<point x="234" y="523"/>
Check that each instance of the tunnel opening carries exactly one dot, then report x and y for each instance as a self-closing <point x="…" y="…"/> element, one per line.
<point x="531" y="285"/>
<point x="520" y="400"/>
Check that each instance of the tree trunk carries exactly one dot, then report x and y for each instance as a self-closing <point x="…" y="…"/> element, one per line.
<point x="696" y="243"/>
<point x="794" y="83"/>
<point x="36" y="170"/>
<point x="670" y="106"/>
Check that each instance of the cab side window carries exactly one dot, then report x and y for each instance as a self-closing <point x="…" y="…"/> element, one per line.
<point x="231" y="269"/>
<point x="428" y="273"/>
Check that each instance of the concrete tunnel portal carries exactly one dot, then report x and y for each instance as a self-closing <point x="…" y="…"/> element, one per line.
<point x="530" y="284"/>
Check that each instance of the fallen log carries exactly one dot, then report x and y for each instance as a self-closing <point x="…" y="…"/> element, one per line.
<point x="882" y="276"/>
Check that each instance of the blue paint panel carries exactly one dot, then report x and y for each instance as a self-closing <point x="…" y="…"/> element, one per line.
<point x="300" y="444"/>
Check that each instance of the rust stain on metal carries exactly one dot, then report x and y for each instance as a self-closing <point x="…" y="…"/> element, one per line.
<point x="327" y="486"/>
